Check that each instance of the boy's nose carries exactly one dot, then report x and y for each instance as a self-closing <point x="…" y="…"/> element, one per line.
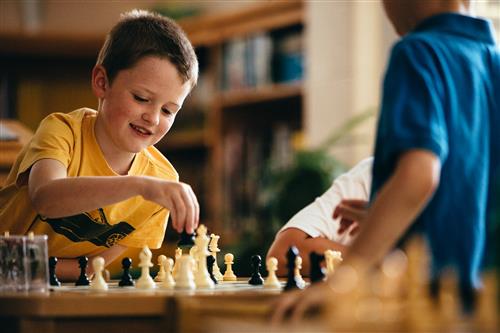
<point x="152" y="117"/>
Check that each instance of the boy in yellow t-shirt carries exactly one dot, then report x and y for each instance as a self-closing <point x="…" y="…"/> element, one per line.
<point x="92" y="180"/>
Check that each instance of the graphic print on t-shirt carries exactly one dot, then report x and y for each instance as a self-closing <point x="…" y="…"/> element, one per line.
<point x="85" y="227"/>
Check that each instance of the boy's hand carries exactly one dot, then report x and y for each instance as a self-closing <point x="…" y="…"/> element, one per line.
<point x="179" y="198"/>
<point x="351" y="213"/>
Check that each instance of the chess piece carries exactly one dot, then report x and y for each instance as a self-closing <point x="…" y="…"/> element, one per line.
<point x="229" y="274"/>
<point x="202" y="278"/>
<point x="126" y="280"/>
<point x="317" y="273"/>
<point x="291" y="255"/>
<point x="256" y="279"/>
<point x="145" y="281"/>
<point x="298" y="277"/>
<point x="54" y="281"/>
<point x="161" y="272"/>
<point x="272" y="281"/>
<point x="178" y="254"/>
<point x="213" y="247"/>
<point x="98" y="283"/>
<point x="332" y="259"/>
<point x="185" y="278"/>
<point x="168" y="281"/>
<point x="186" y="240"/>
<point x="193" y="252"/>
<point x="82" y="279"/>
<point x="210" y="268"/>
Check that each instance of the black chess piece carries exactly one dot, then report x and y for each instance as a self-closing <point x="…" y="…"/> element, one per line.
<point x="126" y="280"/>
<point x="256" y="279"/>
<point x="317" y="273"/>
<point x="291" y="282"/>
<point x="83" y="280"/>
<point x="210" y="267"/>
<point x="186" y="240"/>
<point x="54" y="281"/>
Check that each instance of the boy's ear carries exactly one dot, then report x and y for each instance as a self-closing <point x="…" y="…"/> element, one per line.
<point x="99" y="81"/>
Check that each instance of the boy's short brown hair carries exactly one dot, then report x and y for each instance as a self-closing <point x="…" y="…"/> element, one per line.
<point x="141" y="33"/>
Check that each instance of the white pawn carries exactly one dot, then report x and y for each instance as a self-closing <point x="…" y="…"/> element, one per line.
<point x="202" y="277"/>
<point x="185" y="278"/>
<point x="145" y="281"/>
<point x="98" y="282"/>
<point x="168" y="281"/>
<point x="272" y="281"/>
<point x="214" y="248"/>
<point x="178" y="254"/>
<point x="298" y="278"/>
<point x="161" y="272"/>
<point x="229" y="274"/>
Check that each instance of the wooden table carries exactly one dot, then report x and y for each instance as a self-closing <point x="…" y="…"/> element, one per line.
<point x="120" y="310"/>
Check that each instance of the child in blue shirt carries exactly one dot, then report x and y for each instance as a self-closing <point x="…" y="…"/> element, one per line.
<point x="432" y="166"/>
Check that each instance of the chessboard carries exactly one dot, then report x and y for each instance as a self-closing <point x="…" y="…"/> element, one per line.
<point x="71" y="308"/>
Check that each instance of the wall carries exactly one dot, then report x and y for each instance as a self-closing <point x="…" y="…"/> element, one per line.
<point x="348" y="43"/>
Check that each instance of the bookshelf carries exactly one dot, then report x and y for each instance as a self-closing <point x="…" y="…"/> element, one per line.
<point x="230" y="106"/>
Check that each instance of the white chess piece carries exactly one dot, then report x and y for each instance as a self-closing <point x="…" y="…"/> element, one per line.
<point x="202" y="277"/>
<point x="214" y="248"/>
<point x="333" y="259"/>
<point x="98" y="282"/>
<point x="185" y="279"/>
<point x="193" y="252"/>
<point x="229" y="274"/>
<point x="168" y="281"/>
<point x="272" y="281"/>
<point x="145" y="281"/>
<point x="178" y="254"/>
<point x="298" y="278"/>
<point x="161" y="272"/>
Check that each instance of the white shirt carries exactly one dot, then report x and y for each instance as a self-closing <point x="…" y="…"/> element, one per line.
<point x="316" y="219"/>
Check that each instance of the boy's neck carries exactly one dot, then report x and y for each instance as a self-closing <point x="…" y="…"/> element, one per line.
<point x="426" y="9"/>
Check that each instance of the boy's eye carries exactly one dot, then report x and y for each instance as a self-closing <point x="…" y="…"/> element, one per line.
<point x="166" y="111"/>
<point x="140" y="99"/>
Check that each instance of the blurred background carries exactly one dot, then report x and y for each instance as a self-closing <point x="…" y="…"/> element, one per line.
<point x="287" y="97"/>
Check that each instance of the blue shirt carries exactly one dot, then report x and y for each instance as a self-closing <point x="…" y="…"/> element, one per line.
<point x="439" y="95"/>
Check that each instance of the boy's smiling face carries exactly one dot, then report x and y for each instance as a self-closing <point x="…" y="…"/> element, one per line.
<point x="139" y="107"/>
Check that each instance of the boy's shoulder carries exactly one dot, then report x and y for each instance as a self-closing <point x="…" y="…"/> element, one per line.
<point x="73" y="118"/>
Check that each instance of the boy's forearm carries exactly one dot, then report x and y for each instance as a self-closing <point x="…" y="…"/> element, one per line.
<point x="397" y="205"/>
<point x="70" y="196"/>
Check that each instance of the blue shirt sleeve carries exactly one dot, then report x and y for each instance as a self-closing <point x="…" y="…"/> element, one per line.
<point x="412" y="114"/>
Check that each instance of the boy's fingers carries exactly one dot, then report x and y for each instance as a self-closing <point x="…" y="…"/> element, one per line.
<point x="284" y="304"/>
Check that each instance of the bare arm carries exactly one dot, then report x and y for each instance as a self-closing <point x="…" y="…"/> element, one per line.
<point x="305" y="245"/>
<point x="397" y="205"/>
<point x="53" y="194"/>
<point x="67" y="269"/>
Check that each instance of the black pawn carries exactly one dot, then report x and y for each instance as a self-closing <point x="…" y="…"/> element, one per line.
<point x="291" y="255"/>
<point x="52" y="272"/>
<point x="317" y="273"/>
<point x="83" y="279"/>
<point x="126" y="280"/>
<point x="210" y="267"/>
<point x="186" y="240"/>
<point x="256" y="279"/>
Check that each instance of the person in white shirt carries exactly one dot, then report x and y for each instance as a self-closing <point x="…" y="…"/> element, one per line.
<point x="315" y="228"/>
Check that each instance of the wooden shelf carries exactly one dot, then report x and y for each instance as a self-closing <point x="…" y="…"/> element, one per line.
<point x="204" y="30"/>
<point x="260" y="94"/>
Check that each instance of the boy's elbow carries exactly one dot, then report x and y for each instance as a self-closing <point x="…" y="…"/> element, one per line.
<point x="40" y="203"/>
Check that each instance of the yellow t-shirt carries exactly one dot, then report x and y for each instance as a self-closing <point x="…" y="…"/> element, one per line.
<point x="69" y="138"/>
